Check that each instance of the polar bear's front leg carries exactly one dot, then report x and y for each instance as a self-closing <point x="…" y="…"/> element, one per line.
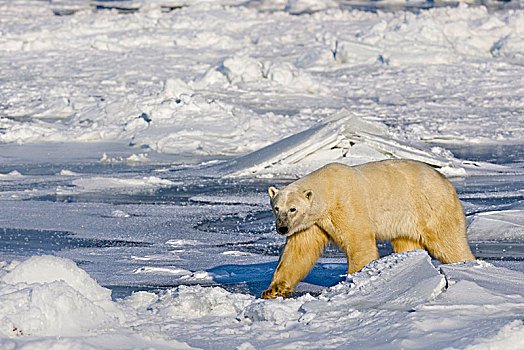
<point x="298" y="257"/>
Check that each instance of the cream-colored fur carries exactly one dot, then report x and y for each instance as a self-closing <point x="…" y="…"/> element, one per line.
<point x="404" y="201"/>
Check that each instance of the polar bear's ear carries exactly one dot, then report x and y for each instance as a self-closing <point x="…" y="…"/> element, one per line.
<point x="272" y="192"/>
<point x="308" y="194"/>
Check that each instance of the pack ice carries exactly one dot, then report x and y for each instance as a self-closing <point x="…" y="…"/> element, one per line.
<point x="258" y="89"/>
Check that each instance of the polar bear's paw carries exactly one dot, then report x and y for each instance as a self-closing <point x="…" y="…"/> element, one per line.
<point x="275" y="291"/>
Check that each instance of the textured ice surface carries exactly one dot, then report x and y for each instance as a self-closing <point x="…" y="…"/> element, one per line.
<point x="206" y="104"/>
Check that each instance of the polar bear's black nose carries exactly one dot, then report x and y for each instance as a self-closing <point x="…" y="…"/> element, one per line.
<point x="283" y="230"/>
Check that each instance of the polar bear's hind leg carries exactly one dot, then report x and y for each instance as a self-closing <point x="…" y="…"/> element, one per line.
<point x="401" y="245"/>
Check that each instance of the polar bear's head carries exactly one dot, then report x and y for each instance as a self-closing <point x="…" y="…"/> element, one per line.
<point x="292" y="209"/>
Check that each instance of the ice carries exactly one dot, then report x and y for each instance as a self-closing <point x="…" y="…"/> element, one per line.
<point x="344" y="138"/>
<point x="248" y="70"/>
<point x="132" y="159"/>
<point x="259" y="199"/>
<point x="139" y="137"/>
<point x="397" y="282"/>
<point x="50" y="296"/>
<point x="115" y="184"/>
<point x="488" y="277"/>
<point x="510" y="337"/>
<point x="13" y="175"/>
<point x="503" y="225"/>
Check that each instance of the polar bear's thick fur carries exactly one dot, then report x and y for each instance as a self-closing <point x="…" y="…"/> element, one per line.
<point x="404" y="201"/>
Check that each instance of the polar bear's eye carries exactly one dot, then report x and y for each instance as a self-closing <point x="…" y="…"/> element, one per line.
<point x="292" y="210"/>
<point x="276" y="209"/>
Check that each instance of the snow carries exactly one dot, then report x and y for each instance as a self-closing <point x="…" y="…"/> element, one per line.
<point x="206" y="78"/>
<point x="115" y="184"/>
<point x="138" y="139"/>
<point x="504" y="225"/>
<point x="394" y="301"/>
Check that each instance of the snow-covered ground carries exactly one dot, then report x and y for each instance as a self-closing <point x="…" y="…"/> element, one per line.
<point x="138" y="139"/>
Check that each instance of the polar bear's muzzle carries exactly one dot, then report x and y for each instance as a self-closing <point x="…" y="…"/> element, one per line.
<point x="283" y="230"/>
<point x="282" y="224"/>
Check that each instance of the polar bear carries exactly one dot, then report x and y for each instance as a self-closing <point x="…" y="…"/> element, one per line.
<point x="404" y="201"/>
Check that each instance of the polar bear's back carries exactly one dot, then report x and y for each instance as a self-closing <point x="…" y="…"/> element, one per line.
<point x="390" y="175"/>
<point x="404" y="178"/>
<point x="398" y="195"/>
<point x="405" y="196"/>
